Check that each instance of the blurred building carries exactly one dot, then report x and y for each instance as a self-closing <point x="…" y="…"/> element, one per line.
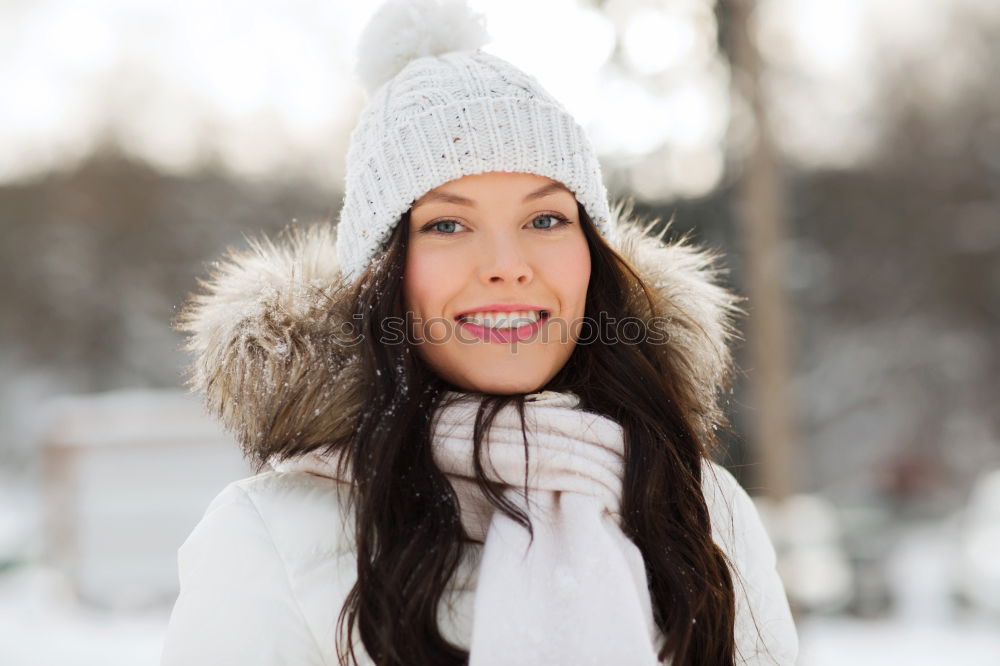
<point x="126" y="476"/>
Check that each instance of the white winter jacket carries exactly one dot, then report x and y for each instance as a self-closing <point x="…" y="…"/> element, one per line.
<point x="266" y="570"/>
<point x="264" y="574"/>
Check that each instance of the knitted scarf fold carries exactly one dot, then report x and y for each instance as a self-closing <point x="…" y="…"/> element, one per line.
<point x="578" y="595"/>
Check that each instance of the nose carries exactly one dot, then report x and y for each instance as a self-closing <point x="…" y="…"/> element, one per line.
<point x="503" y="260"/>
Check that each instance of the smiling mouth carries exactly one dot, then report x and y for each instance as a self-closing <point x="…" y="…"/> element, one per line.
<point x="542" y="316"/>
<point x="505" y="334"/>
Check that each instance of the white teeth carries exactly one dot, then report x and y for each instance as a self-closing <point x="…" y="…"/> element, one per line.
<point x="502" y="319"/>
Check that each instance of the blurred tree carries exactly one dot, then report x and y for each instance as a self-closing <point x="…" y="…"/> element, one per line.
<point x="96" y="259"/>
<point x="761" y="215"/>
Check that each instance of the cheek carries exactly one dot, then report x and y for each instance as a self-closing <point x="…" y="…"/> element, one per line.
<point x="583" y="270"/>
<point x="573" y="269"/>
<point x="423" y="281"/>
<point x="427" y="285"/>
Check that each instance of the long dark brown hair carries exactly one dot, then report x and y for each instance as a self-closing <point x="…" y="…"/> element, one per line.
<point x="409" y="535"/>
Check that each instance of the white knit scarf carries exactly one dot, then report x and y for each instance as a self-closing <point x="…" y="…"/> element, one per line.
<point x="578" y="595"/>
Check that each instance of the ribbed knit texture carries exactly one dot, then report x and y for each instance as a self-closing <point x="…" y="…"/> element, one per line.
<point x="556" y="460"/>
<point x="448" y="116"/>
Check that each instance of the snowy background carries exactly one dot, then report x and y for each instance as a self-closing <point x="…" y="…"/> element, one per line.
<point x="141" y="137"/>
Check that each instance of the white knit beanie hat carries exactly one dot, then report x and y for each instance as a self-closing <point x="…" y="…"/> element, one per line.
<point x="440" y="108"/>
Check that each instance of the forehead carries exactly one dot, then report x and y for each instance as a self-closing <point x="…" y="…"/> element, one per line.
<point x="467" y="190"/>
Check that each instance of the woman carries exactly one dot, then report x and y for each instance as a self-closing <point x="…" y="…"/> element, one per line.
<point x="481" y="407"/>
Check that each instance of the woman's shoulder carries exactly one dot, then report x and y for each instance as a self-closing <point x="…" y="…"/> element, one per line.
<point x="261" y="573"/>
<point x="765" y="629"/>
<point x="720" y="487"/>
<point x="736" y="523"/>
<point x="297" y="509"/>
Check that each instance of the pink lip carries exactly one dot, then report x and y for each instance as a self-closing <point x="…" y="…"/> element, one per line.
<point x="503" y="335"/>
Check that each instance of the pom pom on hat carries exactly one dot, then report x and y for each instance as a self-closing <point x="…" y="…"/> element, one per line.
<point x="404" y="30"/>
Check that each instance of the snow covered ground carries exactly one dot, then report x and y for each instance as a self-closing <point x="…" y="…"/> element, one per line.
<point x="926" y="627"/>
<point x="42" y="625"/>
<point x="839" y="641"/>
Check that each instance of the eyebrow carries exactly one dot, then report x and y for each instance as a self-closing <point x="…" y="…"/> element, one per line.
<point x="447" y="197"/>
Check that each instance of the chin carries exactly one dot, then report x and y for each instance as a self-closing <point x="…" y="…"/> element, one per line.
<point x="500" y="385"/>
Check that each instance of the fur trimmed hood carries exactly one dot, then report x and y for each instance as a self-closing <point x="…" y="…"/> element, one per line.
<point x="266" y="333"/>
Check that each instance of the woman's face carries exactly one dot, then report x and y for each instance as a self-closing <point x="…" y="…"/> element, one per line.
<point x="486" y="241"/>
